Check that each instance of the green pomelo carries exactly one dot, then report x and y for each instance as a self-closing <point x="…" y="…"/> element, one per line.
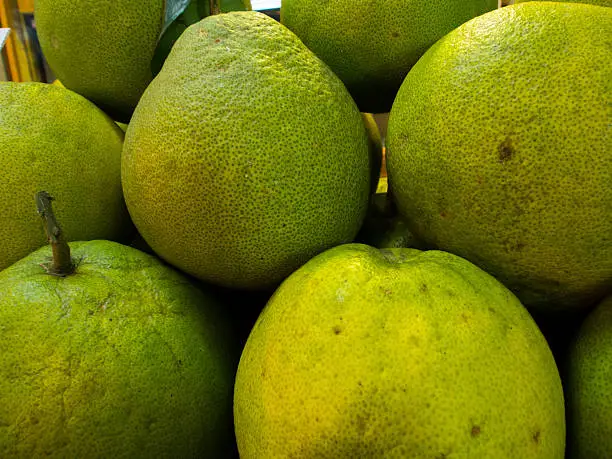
<point x="246" y="156"/>
<point x="55" y="140"/>
<point x="499" y="150"/>
<point x="589" y="386"/>
<point x="397" y="353"/>
<point x="101" y="49"/>
<point x="371" y="44"/>
<point x="122" y="358"/>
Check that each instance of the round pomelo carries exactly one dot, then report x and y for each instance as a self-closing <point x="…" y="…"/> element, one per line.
<point x="589" y="386"/>
<point x="122" y="358"/>
<point x="499" y="150"/>
<point x="55" y="140"/>
<point x="246" y="155"/>
<point x="396" y="353"/>
<point x="371" y="44"/>
<point x="101" y="49"/>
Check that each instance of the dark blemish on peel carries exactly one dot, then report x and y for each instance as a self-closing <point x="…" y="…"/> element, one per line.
<point x="505" y="150"/>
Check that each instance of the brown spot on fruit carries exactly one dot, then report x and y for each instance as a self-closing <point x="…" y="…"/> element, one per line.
<point x="536" y="436"/>
<point x="475" y="431"/>
<point x="505" y="150"/>
<point x="336" y="329"/>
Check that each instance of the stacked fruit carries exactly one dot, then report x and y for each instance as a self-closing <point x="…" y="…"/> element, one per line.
<point x="454" y="314"/>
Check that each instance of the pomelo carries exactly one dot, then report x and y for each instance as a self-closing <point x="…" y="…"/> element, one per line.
<point x="54" y="139"/>
<point x="113" y="354"/>
<point x="589" y="386"/>
<point x="246" y="155"/>
<point x="499" y="150"/>
<point x="371" y="44"/>
<point x="101" y="49"/>
<point x="396" y="353"/>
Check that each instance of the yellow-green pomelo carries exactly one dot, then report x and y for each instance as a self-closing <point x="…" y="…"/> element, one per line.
<point x="101" y="49"/>
<point x="52" y="139"/>
<point x="246" y="156"/>
<point x="499" y="150"/>
<point x="589" y="386"/>
<point x="371" y="44"/>
<point x="396" y="353"/>
<point x="122" y="358"/>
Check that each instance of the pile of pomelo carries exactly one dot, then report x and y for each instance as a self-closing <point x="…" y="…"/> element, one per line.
<point x="229" y="274"/>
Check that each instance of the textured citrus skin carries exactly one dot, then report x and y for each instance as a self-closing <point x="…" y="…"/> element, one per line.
<point x="54" y="140"/>
<point x="123" y="358"/>
<point x="499" y="150"/>
<point x="589" y="386"/>
<point x="371" y="44"/>
<point x="101" y="49"/>
<point x="399" y="353"/>
<point x="246" y="155"/>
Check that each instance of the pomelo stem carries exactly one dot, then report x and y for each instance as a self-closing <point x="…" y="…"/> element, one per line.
<point x="61" y="265"/>
<point x="215" y="7"/>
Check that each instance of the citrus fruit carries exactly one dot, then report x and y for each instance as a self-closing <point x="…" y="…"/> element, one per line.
<point x="396" y="353"/>
<point x="371" y="44"/>
<point x="589" y="386"/>
<point x="246" y="155"/>
<point x="121" y="358"/>
<point x="53" y="139"/>
<point x="514" y="176"/>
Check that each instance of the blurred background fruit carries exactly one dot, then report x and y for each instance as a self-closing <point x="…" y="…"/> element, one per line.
<point x="371" y="45"/>
<point x="101" y="49"/>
